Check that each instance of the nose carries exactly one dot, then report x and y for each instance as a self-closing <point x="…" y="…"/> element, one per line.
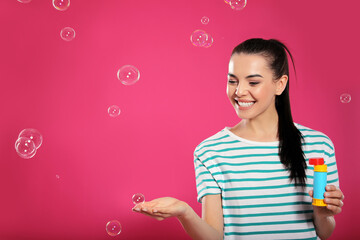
<point x="241" y="89"/>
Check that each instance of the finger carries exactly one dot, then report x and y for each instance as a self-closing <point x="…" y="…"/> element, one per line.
<point x="334" y="194"/>
<point x="330" y="188"/>
<point x="160" y="218"/>
<point x="136" y="209"/>
<point x="334" y="209"/>
<point x="334" y="201"/>
<point x="163" y="210"/>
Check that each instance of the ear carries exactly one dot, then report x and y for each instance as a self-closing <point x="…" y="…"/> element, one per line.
<point x="281" y="84"/>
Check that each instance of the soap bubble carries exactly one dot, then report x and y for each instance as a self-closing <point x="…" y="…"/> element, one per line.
<point x="345" y="98"/>
<point x="33" y="134"/>
<point x="67" y="34"/>
<point x="205" y="20"/>
<point x="114" y="111"/>
<point x="25" y="147"/>
<point x="198" y="38"/>
<point x="237" y="4"/>
<point x="209" y="42"/>
<point x="113" y="228"/>
<point x="138" y="198"/>
<point x="57" y="176"/>
<point x="226" y="1"/>
<point x="24" y="1"/>
<point x="128" y="74"/>
<point x="61" y="5"/>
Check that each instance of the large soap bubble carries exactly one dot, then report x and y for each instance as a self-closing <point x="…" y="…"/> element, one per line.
<point x="237" y="4"/>
<point x="205" y="20"/>
<point x="138" y="198"/>
<point x="67" y="33"/>
<point x="33" y="134"/>
<point x="128" y="75"/>
<point x="25" y="147"/>
<point x="24" y="1"/>
<point x="345" y="98"/>
<point x="113" y="228"/>
<point x="114" y="111"/>
<point x="198" y="38"/>
<point x="61" y="5"/>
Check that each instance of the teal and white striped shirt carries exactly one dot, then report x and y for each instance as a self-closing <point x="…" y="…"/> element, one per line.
<point x="258" y="200"/>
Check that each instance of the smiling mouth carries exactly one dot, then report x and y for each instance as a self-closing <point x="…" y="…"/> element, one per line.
<point x="244" y="104"/>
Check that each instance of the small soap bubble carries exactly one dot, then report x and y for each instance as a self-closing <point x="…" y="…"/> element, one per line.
<point x="57" y="176"/>
<point x="114" y="111"/>
<point x="205" y="20"/>
<point x="113" y="228"/>
<point x="33" y="135"/>
<point x="25" y="147"/>
<point x="61" y="5"/>
<point x="198" y="38"/>
<point x="128" y="75"/>
<point x="226" y="1"/>
<point x="237" y="4"/>
<point x="24" y="1"/>
<point x="209" y="42"/>
<point x="67" y="33"/>
<point x="138" y="198"/>
<point x="345" y="98"/>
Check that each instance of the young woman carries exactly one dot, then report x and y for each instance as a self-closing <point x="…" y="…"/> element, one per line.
<point x="254" y="180"/>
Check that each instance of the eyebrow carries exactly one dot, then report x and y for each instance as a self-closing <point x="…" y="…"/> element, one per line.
<point x="249" y="76"/>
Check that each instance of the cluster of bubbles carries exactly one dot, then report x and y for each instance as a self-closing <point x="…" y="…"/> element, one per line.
<point x="113" y="227"/>
<point x="200" y="38"/>
<point x="67" y="33"/>
<point x="127" y="75"/>
<point x="236" y="4"/>
<point x="345" y="98"/>
<point x="29" y="140"/>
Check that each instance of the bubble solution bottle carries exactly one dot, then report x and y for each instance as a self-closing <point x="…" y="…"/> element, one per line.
<point x="320" y="174"/>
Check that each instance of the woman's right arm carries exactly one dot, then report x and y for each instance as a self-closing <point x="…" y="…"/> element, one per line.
<point x="212" y="223"/>
<point x="209" y="227"/>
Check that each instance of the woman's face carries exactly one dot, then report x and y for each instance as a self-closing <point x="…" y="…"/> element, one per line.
<point x="251" y="88"/>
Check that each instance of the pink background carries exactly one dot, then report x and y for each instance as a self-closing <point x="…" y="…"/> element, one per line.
<point x="64" y="89"/>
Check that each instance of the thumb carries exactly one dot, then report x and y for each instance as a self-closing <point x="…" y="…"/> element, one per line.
<point x="311" y="192"/>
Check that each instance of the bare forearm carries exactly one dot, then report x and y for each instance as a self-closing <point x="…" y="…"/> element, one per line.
<point x="324" y="226"/>
<point x="197" y="228"/>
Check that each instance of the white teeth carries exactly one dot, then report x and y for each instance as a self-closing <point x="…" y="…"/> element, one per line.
<point x="247" y="104"/>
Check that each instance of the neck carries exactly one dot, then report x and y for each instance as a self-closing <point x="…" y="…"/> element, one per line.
<point x="266" y="125"/>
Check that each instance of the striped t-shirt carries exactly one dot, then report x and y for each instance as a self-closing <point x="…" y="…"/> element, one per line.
<point x="258" y="200"/>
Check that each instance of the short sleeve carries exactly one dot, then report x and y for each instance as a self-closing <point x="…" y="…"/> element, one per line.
<point x="205" y="182"/>
<point x="330" y="161"/>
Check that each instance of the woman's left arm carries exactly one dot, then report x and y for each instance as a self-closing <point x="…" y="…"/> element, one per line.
<point x="324" y="216"/>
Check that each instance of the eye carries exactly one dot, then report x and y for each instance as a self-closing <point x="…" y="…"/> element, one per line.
<point x="231" y="81"/>
<point x="253" y="83"/>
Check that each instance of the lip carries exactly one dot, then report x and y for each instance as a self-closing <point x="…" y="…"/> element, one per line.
<point x="243" y="100"/>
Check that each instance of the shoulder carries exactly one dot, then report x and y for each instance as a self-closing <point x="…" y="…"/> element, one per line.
<point x="311" y="136"/>
<point x="211" y="141"/>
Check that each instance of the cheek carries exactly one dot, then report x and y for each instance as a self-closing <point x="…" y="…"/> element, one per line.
<point x="229" y="91"/>
<point x="264" y="92"/>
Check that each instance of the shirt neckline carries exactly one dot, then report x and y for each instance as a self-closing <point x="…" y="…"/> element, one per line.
<point x="233" y="135"/>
